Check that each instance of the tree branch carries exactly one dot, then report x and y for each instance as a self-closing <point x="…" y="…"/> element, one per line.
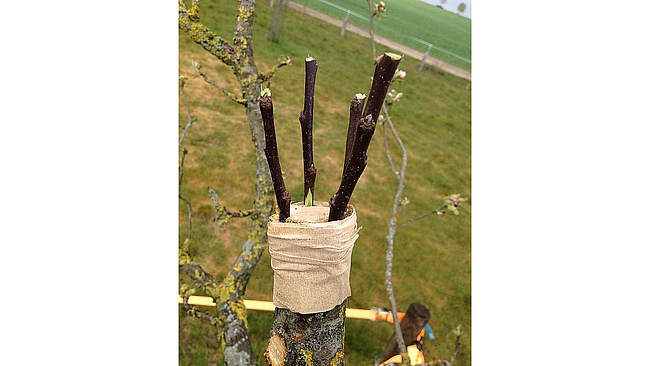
<point x="271" y="150"/>
<point x="188" y="22"/>
<point x="358" y="161"/>
<point x="198" y="274"/>
<point x="380" y="87"/>
<point x="182" y="80"/>
<point x="372" y="24"/>
<point x="391" y="235"/>
<point x="242" y="41"/>
<point x="306" y="127"/>
<point x="229" y="94"/>
<point x="189" y="215"/>
<point x="356" y="107"/>
<point x="180" y="169"/>
<point x="195" y="313"/>
<point x="388" y="156"/>
<point x="384" y="71"/>
<point x="410" y="221"/>
<point x="223" y="214"/>
<point x="451" y="203"/>
<point x="264" y="77"/>
<point x="230" y="309"/>
<point x="457" y="345"/>
<point x="415" y="318"/>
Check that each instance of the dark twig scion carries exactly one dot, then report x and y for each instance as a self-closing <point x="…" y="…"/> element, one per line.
<point x="271" y="150"/>
<point x="384" y="71"/>
<point x="306" y="126"/>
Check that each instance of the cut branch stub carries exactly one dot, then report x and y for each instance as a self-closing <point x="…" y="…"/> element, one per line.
<point x="358" y="160"/>
<point x="306" y="126"/>
<point x="384" y="71"/>
<point x="271" y="150"/>
<point x="356" y="107"/>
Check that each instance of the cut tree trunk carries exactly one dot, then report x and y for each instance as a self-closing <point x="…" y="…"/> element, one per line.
<point x="307" y="339"/>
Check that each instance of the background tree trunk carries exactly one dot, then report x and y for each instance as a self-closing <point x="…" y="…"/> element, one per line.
<point x="279" y="12"/>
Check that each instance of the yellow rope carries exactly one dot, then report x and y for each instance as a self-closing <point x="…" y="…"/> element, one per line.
<point x="268" y="306"/>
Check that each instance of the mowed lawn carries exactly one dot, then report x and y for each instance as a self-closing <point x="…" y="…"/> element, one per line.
<point x="432" y="259"/>
<point x="405" y="20"/>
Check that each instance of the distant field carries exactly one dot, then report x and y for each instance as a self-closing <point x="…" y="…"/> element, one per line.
<point x="432" y="256"/>
<point x="408" y="19"/>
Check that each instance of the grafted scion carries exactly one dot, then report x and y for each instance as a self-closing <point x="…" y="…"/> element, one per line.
<point x="356" y="108"/>
<point x="384" y="71"/>
<point x="306" y="126"/>
<point x="271" y="150"/>
<point x="356" y="163"/>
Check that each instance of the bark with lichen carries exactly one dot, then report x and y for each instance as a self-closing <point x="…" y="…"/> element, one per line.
<point x="227" y="293"/>
<point x="307" y="339"/>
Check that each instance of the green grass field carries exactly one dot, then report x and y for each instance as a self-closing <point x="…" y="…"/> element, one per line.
<point x="408" y="19"/>
<point x="432" y="260"/>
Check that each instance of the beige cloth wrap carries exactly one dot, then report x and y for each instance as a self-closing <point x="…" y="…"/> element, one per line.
<point x="310" y="258"/>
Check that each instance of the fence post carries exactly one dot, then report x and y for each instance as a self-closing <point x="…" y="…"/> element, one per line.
<point x="345" y="22"/>
<point x="424" y="59"/>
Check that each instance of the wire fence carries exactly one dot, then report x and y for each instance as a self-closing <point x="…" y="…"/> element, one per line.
<point x="363" y="21"/>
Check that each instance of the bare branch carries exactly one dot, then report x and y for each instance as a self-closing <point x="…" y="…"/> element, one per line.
<point x="189" y="205"/>
<point x="228" y="93"/>
<point x="271" y="150"/>
<point x="188" y="22"/>
<point x="231" y="312"/>
<point x="195" y="313"/>
<point x="358" y="161"/>
<point x="372" y="24"/>
<point x="450" y="204"/>
<point x="264" y="77"/>
<point x="415" y="318"/>
<point x="391" y="234"/>
<point x="182" y="81"/>
<point x="390" y="158"/>
<point x="189" y="214"/>
<point x="180" y="169"/>
<point x="205" y="280"/>
<point x="410" y="221"/>
<point x="379" y="88"/>
<point x="306" y="127"/>
<point x="223" y="214"/>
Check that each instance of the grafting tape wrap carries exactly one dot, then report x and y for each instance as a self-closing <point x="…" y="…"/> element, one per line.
<point x="311" y="258"/>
